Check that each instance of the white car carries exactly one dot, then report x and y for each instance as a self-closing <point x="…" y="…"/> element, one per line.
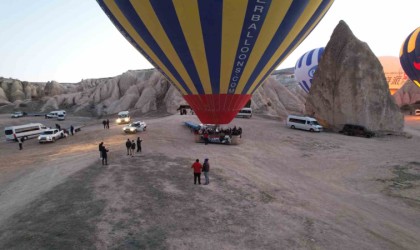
<point x="51" y="135"/>
<point x="134" y="127"/>
<point x="17" y="114"/>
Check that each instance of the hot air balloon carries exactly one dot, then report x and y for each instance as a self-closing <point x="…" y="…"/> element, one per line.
<point x="216" y="53"/>
<point x="410" y="56"/>
<point x="394" y="73"/>
<point x="306" y="66"/>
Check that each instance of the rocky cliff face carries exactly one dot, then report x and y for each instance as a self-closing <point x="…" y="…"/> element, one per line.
<point x="141" y="91"/>
<point x="408" y="94"/>
<point x="349" y="86"/>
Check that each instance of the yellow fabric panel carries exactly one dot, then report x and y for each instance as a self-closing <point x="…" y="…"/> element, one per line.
<point x="275" y="16"/>
<point x="412" y="42"/>
<point x="145" y="11"/>
<point x="127" y="26"/>
<point x="189" y="18"/>
<point x="233" y="18"/>
<point x="300" y="24"/>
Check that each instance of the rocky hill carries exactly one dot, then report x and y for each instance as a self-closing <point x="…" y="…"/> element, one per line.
<point x="141" y="91"/>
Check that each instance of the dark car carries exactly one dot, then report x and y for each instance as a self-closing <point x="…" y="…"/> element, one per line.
<point x="356" y="130"/>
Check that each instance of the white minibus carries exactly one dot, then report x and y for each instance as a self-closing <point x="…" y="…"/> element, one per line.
<point x="54" y="114"/>
<point x="245" y="113"/>
<point x="303" y="122"/>
<point x="24" y="131"/>
<point x="123" y="117"/>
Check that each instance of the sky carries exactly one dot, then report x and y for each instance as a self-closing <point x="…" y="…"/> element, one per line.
<point x="68" y="41"/>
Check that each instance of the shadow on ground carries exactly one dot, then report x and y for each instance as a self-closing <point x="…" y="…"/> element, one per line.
<point x="143" y="202"/>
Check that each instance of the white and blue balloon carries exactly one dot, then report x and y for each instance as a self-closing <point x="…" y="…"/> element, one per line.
<point x="306" y="66"/>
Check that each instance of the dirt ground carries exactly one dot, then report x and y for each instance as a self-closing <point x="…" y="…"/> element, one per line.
<point x="279" y="189"/>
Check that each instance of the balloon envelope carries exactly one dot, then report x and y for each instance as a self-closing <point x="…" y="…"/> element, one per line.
<point x="410" y="56"/>
<point x="394" y="73"/>
<point x="215" y="52"/>
<point x="306" y="66"/>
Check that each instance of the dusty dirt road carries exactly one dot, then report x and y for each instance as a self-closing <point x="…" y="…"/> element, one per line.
<point x="279" y="189"/>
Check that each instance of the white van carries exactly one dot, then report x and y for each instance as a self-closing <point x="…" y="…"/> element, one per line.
<point x="245" y="113"/>
<point x="24" y="131"/>
<point x="123" y="117"/>
<point x="54" y="114"/>
<point x="417" y="112"/>
<point x="303" y="122"/>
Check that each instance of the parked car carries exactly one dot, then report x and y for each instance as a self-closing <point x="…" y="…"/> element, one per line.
<point x="356" y="130"/>
<point x="134" y="127"/>
<point x="417" y="112"/>
<point x="18" y="114"/>
<point x="245" y="113"/>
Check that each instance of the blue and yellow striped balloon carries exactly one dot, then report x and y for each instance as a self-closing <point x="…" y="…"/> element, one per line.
<point x="215" y="52"/>
<point x="410" y="56"/>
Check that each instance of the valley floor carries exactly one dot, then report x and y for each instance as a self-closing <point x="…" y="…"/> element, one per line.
<point x="279" y="189"/>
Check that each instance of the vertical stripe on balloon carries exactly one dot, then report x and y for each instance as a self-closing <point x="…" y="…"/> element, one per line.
<point x="148" y="15"/>
<point x="231" y="32"/>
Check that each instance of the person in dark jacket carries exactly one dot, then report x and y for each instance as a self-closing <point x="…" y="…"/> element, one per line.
<point x="133" y="148"/>
<point x="20" y="140"/>
<point x="139" y="144"/>
<point x="128" y="146"/>
<point x="104" y="123"/>
<point x="197" y="171"/>
<point x="72" y="130"/>
<point x="104" y="156"/>
<point x="206" y="170"/>
<point x="101" y="145"/>
<point x="107" y="123"/>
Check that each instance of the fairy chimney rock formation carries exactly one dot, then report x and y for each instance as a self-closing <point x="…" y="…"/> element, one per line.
<point x="349" y="86"/>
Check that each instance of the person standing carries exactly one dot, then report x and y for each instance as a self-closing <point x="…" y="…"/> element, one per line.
<point x="104" y="123"/>
<point x="104" y="156"/>
<point x="128" y="146"/>
<point x="72" y="130"/>
<point x="133" y="148"/>
<point x="206" y="137"/>
<point x="206" y="170"/>
<point x="139" y="144"/>
<point x="107" y="123"/>
<point x="197" y="171"/>
<point x="20" y="141"/>
<point x="101" y="145"/>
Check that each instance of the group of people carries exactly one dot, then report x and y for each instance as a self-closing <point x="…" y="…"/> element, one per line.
<point x="219" y="131"/>
<point x="198" y="168"/>
<point x="103" y="153"/>
<point x="223" y="135"/>
<point x="106" y="123"/>
<point x="131" y="146"/>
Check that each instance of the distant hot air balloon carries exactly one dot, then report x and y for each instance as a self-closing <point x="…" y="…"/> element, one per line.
<point x="410" y="56"/>
<point x="394" y="73"/>
<point x="306" y="66"/>
<point x="215" y="52"/>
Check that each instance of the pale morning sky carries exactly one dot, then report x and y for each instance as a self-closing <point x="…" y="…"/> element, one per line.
<point x="68" y="41"/>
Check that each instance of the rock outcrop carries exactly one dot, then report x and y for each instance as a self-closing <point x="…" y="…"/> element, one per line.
<point x="408" y="94"/>
<point x="140" y="91"/>
<point x="349" y="86"/>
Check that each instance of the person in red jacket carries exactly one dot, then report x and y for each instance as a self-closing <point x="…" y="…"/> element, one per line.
<point x="197" y="171"/>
